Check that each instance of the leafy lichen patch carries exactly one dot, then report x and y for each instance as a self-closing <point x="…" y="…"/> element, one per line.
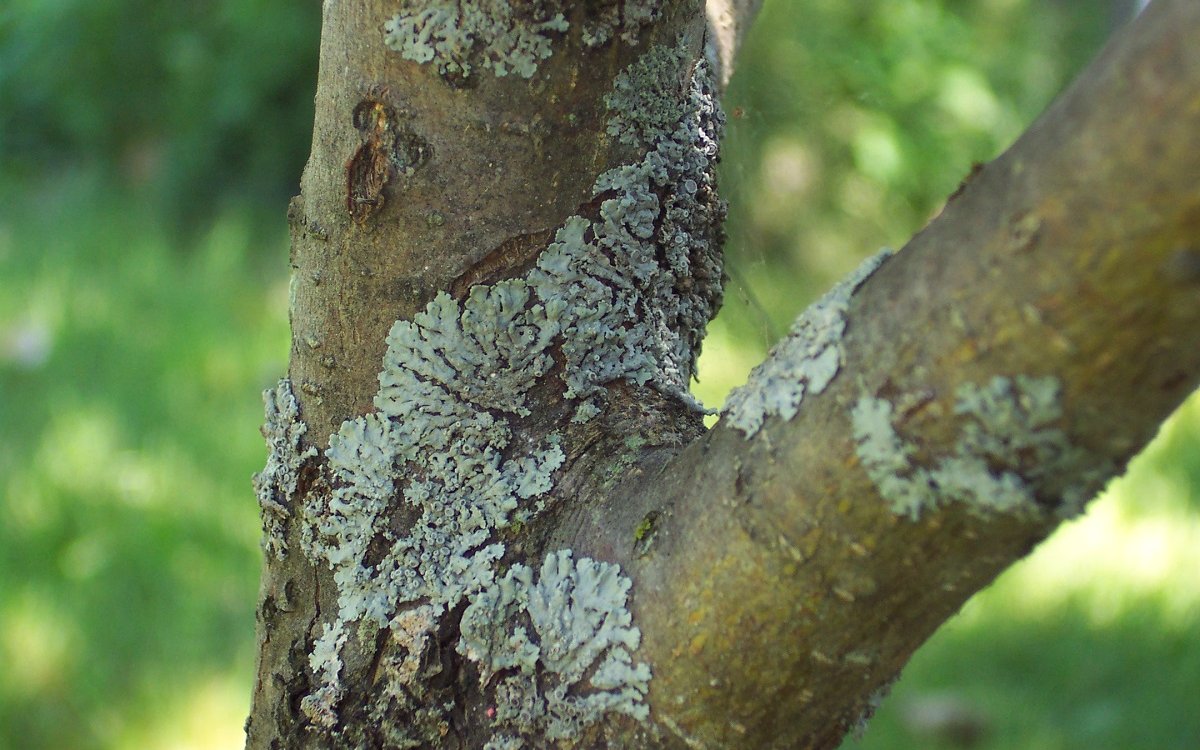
<point x="420" y="487"/>
<point x="1007" y="446"/>
<point x="276" y="484"/>
<point x="326" y="662"/>
<point x="805" y="362"/>
<point x="434" y="448"/>
<point x="557" y="649"/>
<point x="640" y="282"/>
<point x="619" y="18"/>
<point x="646" y="101"/>
<point x="502" y="36"/>
<point x="458" y="35"/>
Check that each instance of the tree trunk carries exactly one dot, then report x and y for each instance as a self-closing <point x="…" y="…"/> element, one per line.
<point x="493" y="517"/>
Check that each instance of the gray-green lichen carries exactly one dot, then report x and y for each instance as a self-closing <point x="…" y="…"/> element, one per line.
<point x="804" y="362"/>
<point x="275" y="485"/>
<point x="1007" y="448"/>
<point x="647" y="98"/>
<point x="457" y="35"/>
<point x="504" y="742"/>
<point x="326" y="662"/>
<point x="557" y="650"/>
<point x="421" y="486"/>
<point x="436" y="445"/>
<point x="641" y="280"/>
<point x="622" y="18"/>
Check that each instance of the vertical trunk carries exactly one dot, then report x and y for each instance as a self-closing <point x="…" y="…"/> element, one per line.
<point x="528" y="188"/>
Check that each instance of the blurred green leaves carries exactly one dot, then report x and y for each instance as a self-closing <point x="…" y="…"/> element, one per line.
<point x="198" y="104"/>
<point x="128" y="530"/>
<point x="852" y="121"/>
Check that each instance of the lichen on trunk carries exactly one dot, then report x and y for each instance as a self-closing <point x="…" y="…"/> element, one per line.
<point x="424" y="519"/>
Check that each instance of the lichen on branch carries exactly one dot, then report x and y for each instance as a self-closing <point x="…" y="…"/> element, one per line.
<point x="1008" y="445"/>
<point x="277" y="483"/>
<point x="805" y="362"/>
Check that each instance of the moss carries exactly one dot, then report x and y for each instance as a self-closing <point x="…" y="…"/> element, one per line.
<point x="635" y="442"/>
<point x="644" y="533"/>
<point x="804" y="363"/>
<point x="1007" y="448"/>
<point x="644" y="527"/>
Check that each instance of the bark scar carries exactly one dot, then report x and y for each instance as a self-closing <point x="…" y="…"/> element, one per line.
<point x="510" y="257"/>
<point x="389" y="148"/>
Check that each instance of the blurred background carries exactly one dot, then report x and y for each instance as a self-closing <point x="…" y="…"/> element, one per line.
<point x="147" y="152"/>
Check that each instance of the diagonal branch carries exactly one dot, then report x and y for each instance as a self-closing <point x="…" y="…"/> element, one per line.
<point x="915" y="437"/>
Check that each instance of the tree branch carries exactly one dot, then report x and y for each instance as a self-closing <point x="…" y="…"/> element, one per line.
<point x="523" y="194"/>
<point x="784" y="576"/>
<point x="728" y="22"/>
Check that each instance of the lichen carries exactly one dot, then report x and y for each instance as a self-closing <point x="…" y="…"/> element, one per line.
<point x="804" y="362"/>
<point x="276" y="484"/>
<point x="420" y="487"/>
<point x="456" y="36"/>
<point x="642" y="279"/>
<point x="586" y="411"/>
<point x="621" y="18"/>
<point x="869" y="707"/>
<point x="502" y="36"/>
<point x="556" y="649"/>
<point x="1007" y="448"/>
<point x="326" y="662"/>
<point x="646" y="100"/>
<point x="504" y="742"/>
<point x="434" y="446"/>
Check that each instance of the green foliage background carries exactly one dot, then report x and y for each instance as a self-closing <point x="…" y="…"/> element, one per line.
<point x="147" y="150"/>
<point x="200" y="105"/>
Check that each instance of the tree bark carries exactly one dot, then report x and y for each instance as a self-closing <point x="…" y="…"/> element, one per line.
<point x="755" y="585"/>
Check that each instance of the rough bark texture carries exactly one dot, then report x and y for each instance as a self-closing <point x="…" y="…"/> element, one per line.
<point x="781" y="592"/>
<point x="923" y="429"/>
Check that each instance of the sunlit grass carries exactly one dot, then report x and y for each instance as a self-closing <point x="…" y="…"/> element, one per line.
<point x="1112" y="563"/>
<point x="206" y="715"/>
<point x="38" y="641"/>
